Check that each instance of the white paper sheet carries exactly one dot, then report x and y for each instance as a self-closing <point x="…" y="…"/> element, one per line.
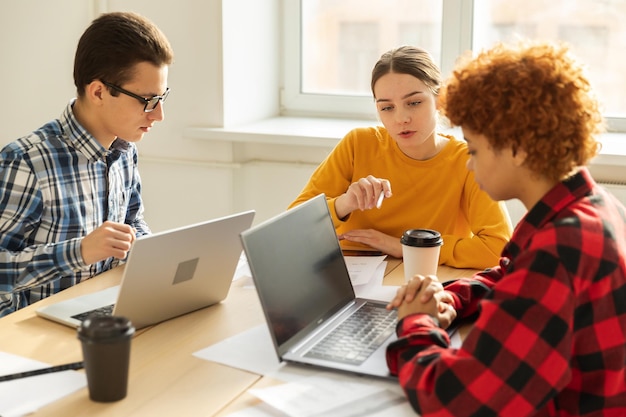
<point x="24" y="396"/>
<point x="325" y="390"/>
<point x="251" y="350"/>
<point x="382" y="408"/>
<point x="320" y="395"/>
<point x="362" y="268"/>
<point x="243" y="269"/>
<point x="374" y="289"/>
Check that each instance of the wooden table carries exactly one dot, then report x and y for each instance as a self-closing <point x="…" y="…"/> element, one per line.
<point x="165" y="379"/>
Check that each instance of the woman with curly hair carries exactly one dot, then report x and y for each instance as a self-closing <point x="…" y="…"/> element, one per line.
<point x="549" y="337"/>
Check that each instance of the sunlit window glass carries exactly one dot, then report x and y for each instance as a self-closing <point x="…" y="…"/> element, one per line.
<point x="594" y="28"/>
<point x="343" y="39"/>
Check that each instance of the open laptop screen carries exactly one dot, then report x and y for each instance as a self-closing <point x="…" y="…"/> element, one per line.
<point x="298" y="269"/>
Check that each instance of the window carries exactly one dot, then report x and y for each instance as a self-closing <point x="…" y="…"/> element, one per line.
<point x="591" y="27"/>
<point x="328" y="65"/>
<point x="356" y="49"/>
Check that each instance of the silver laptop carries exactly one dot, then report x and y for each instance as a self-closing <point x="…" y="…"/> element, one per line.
<point x="166" y="274"/>
<point x="305" y="290"/>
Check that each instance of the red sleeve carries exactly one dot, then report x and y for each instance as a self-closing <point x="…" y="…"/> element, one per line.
<point x="467" y="292"/>
<point x="415" y="333"/>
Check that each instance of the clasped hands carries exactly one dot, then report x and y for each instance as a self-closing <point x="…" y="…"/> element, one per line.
<point x="424" y="294"/>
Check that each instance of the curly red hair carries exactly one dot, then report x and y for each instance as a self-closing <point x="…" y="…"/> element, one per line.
<point x="533" y="97"/>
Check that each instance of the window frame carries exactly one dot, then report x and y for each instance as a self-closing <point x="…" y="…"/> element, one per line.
<point x="457" y="21"/>
<point x="292" y="101"/>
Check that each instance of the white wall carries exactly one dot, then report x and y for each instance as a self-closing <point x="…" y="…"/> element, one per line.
<point x="37" y="60"/>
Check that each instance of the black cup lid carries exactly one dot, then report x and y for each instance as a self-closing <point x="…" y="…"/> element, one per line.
<point x="105" y="327"/>
<point x="421" y="238"/>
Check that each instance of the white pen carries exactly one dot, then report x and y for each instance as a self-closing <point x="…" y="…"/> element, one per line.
<point x="379" y="202"/>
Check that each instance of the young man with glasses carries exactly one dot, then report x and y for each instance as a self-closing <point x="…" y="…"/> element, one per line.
<point x="71" y="203"/>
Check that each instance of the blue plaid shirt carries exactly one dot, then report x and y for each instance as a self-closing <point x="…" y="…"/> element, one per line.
<point x="57" y="185"/>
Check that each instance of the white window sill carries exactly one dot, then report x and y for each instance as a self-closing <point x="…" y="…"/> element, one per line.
<point x="297" y="131"/>
<point x="321" y="132"/>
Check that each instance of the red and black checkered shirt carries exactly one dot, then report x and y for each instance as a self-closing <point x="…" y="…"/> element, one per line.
<point x="550" y="332"/>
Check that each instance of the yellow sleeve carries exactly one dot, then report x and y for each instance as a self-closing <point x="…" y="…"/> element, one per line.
<point x="332" y="177"/>
<point x="490" y="227"/>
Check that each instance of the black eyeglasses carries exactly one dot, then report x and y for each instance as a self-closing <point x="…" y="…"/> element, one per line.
<point x="149" y="103"/>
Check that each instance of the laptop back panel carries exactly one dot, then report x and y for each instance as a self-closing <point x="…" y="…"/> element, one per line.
<point x="180" y="271"/>
<point x="168" y="274"/>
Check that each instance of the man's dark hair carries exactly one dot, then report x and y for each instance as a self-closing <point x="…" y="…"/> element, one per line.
<point x="113" y="44"/>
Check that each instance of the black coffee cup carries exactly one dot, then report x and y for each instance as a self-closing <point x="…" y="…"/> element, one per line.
<point x="106" y="355"/>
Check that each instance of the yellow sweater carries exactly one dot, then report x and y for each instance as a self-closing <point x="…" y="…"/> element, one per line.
<point x="439" y="193"/>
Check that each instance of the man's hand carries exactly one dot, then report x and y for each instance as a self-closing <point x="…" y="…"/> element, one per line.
<point x="109" y="240"/>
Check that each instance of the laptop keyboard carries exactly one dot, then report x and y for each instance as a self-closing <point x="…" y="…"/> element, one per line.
<point x="101" y="311"/>
<point x="354" y="340"/>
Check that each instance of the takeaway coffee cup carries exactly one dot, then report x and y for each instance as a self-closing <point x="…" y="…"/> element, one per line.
<point x="420" y="252"/>
<point x="105" y="342"/>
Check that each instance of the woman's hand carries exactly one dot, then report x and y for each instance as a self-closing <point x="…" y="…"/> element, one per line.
<point x="362" y="195"/>
<point x="387" y="244"/>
